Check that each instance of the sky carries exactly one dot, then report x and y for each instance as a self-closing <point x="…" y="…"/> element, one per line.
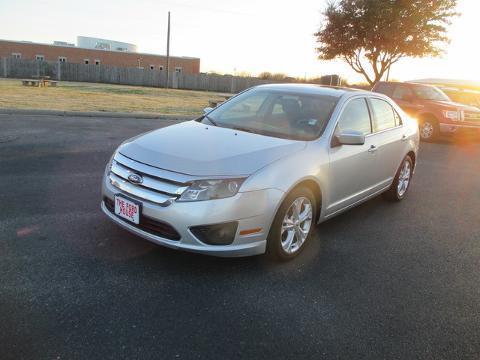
<point x="229" y="36"/>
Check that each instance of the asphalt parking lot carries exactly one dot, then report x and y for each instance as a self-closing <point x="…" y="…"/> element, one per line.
<point x="389" y="281"/>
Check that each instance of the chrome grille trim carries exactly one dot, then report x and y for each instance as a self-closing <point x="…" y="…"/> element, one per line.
<point x="471" y="116"/>
<point x="158" y="185"/>
<point x="180" y="179"/>
<point x="149" y="182"/>
<point x="140" y="192"/>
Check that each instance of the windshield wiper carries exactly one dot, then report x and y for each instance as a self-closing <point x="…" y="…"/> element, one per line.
<point x="210" y="119"/>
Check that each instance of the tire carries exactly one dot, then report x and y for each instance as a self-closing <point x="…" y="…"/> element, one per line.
<point x="399" y="188"/>
<point x="280" y="237"/>
<point x="429" y="129"/>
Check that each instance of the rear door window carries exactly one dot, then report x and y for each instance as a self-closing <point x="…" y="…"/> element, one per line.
<point x="398" y="119"/>
<point x="383" y="115"/>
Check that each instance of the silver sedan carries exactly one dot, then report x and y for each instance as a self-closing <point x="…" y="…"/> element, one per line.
<point x="256" y="173"/>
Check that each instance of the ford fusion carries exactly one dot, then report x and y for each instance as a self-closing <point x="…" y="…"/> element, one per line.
<point x="257" y="173"/>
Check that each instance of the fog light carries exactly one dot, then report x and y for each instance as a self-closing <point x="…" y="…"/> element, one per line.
<point x="218" y="234"/>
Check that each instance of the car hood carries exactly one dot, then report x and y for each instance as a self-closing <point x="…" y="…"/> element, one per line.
<point x="194" y="148"/>
<point x="450" y="104"/>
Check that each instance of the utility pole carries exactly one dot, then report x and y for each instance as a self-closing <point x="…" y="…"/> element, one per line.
<point x="168" y="51"/>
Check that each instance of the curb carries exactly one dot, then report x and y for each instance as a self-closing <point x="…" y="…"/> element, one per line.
<point x="101" y="114"/>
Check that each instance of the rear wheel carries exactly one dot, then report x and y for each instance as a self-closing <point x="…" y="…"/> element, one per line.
<point x="401" y="183"/>
<point x="293" y="225"/>
<point x="429" y="129"/>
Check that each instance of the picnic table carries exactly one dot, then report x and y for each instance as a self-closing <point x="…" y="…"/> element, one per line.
<point x="39" y="81"/>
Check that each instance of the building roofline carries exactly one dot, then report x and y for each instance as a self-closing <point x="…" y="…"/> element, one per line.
<point x="25" y="42"/>
<point x="102" y="39"/>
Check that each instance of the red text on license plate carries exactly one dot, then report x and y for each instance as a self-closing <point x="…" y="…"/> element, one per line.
<point x="127" y="209"/>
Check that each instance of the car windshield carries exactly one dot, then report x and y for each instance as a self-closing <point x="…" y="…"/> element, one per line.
<point x="430" y="93"/>
<point x="275" y="113"/>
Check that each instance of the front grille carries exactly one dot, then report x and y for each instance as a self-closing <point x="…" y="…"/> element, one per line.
<point x="471" y="116"/>
<point x="152" y="188"/>
<point x="147" y="224"/>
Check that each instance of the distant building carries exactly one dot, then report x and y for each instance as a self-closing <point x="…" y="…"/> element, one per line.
<point x="97" y="52"/>
<point x="63" y="43"/>
<point x="103" y="44"/>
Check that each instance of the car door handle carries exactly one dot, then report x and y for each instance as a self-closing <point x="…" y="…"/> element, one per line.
<point x="372" y="149"/>
<point x="404" y="137"/>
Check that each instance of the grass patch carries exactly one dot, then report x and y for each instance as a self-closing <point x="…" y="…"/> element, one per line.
<point x="69" y="96"/>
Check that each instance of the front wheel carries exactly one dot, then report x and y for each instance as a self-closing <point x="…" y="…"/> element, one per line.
<point x="293" y="225"/>
<point x="401" y="183"/>
<point x="429" y="130"/>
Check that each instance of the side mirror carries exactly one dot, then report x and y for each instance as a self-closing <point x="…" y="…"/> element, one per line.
<point x="207" y="110"/>
<point x="350" y="137"/>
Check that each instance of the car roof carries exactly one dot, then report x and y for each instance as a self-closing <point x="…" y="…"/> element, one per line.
<point x="313" y="89"/>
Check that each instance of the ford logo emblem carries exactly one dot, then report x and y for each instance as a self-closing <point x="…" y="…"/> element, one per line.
<point x="135" y="179"/>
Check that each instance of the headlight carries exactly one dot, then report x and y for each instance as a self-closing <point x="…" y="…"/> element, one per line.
<point x="211" y="189"/>
<point x="453" y="115"/>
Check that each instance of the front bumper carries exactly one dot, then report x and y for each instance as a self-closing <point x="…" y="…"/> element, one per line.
<point x="449" y="128"/>
<point x="252" y="210"/>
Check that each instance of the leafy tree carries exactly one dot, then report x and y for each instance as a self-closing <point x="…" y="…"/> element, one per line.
<point x="378" y="33"/>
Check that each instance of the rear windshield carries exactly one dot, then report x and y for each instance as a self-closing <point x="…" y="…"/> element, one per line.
<point x="276" y="113"/>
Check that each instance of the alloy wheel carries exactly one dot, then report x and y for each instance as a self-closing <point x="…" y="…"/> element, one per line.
<point x="426" y="130"/>
<point x="296" y="225"/>
<point x="404" y="178"/>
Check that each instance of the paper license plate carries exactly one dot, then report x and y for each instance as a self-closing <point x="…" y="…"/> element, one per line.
<point x="127" y="209"/>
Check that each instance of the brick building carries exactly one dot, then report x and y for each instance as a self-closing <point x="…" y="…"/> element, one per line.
<point x="67" y="53"/>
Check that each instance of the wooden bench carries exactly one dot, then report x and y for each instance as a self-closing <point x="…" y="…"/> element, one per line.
<point x="31" y="82"/>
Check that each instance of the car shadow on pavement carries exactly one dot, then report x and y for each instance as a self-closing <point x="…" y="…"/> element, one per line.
<point x="123" y="248"/>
